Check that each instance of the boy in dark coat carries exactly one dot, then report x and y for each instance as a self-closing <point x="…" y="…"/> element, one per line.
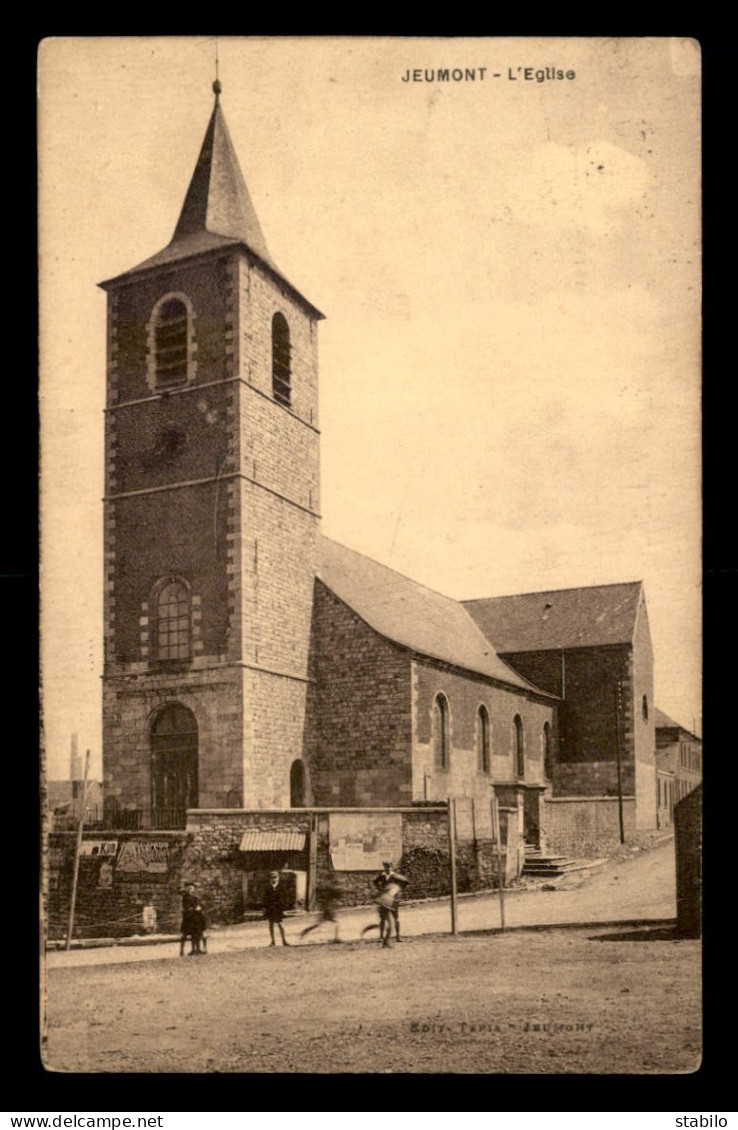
<point x="275" y="900"/>
<point x="193" y="922"/>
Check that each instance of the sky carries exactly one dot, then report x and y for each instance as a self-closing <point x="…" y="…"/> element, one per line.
<point x="510" y="273"/>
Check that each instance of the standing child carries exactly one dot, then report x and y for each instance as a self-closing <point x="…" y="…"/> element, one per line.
<point x="189" y="902"/>
<point x="275" y="900"/>
<point x="197" y="926"/>
<point x="194" y="924"/>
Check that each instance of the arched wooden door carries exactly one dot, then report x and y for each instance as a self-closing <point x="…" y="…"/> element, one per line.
<point x="174" y="786"/>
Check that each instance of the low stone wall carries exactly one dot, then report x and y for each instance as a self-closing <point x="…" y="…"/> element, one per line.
<point x="123" y="876"/>
<point x="586" y="826"/>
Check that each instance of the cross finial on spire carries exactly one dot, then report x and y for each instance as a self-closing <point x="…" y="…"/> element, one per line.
<point x="217" y="87"/>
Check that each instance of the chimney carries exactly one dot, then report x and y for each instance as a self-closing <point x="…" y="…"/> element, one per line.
<point x="75" y="765"/>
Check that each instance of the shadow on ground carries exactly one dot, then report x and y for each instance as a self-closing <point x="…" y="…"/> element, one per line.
<point x="654" y="934"/>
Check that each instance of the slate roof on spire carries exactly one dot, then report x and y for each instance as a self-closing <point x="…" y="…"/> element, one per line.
<point x="218" y="200"/>
<point x="217" y="210"/>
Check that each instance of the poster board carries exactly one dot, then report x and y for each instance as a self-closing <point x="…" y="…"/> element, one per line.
<point x="361" y="841"/>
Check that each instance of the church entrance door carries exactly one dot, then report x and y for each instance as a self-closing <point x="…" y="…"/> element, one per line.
<point x="173" y="766"/>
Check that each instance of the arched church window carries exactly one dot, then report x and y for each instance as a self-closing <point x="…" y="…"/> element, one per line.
<point x="547" y="750"/>
<point x="644" y="708"/>
<point x="519" y="746"/>
<point x="173" y="621"/>
<point x="440" y="732"/>
<point x="281" y="371"/>
<point x="483" y="740"/>
<point x="171" y="343"/>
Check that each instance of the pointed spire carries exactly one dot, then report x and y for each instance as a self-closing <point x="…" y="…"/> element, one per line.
<point x="217" y="210"/>
<point x="217" y="199"/>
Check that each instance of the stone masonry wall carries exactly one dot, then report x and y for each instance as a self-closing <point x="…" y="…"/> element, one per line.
<point x="208" y="854"/>
<point x="214" y="695"/>
<point x="464" y="694"/>
<point x="586" y="825"/>
<point x="359" y="729"/>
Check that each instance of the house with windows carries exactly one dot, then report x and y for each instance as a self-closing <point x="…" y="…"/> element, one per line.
<point x="678" y="765"/>
<point x="250" y="662"/>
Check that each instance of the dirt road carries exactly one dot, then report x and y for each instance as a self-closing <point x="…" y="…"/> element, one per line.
<point x="567" y="1001"/>
<point x="582" y="1000"/>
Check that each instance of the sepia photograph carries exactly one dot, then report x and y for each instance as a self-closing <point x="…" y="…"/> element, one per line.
<point x="370" y="429"/>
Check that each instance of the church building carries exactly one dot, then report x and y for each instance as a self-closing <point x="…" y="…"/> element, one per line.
<point x="251" y="663"/>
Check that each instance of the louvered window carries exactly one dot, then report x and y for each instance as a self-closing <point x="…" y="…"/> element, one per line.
<point x="281" y="371"/>
<point x="171" y="343"/>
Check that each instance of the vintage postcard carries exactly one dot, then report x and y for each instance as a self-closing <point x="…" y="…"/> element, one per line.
<point x="370" y="512"/>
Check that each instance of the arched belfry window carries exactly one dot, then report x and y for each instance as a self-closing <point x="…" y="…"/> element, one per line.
<point x="171" y="346"/>
<point x="171" y="343"/>
<point x="483" y="740"/>
<point x="174" y="786"/>
<point x="440" y="732"/>
<point x="281" y="368"/>
<point x="173" y="621"/>
<point x="519" y="746"/>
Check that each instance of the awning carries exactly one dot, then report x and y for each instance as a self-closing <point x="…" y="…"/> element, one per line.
<point x="256" y="840"/>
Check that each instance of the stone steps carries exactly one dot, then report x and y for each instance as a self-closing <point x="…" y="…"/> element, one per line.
<point x="539" y="866"/>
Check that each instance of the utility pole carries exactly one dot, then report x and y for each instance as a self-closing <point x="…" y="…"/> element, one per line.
<point x="618" y="711"/>
<point x="452" y="860"/>
<point x="77" y="848"/>
<point x="500" y="875"/>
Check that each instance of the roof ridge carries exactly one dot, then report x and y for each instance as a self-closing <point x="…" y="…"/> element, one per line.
<point x="390" y="569"/>
<point x="551" y="592"/>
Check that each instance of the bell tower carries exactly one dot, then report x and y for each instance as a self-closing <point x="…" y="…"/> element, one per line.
<point x="212" y="500"/>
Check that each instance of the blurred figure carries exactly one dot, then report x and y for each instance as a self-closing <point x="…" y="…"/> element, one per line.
<point x="328" y="897"/>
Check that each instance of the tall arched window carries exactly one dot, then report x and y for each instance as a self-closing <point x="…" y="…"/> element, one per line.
<point x="440" y="732"/>
<point x="174" y="786"/>
<point x="173" y="621"/>
<point x="519" y="746"/>
<point x="281" y="371"/>
<point x="171" y="343"/>
<point x="483" y="740"/>
<point x="547" y="750"/>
